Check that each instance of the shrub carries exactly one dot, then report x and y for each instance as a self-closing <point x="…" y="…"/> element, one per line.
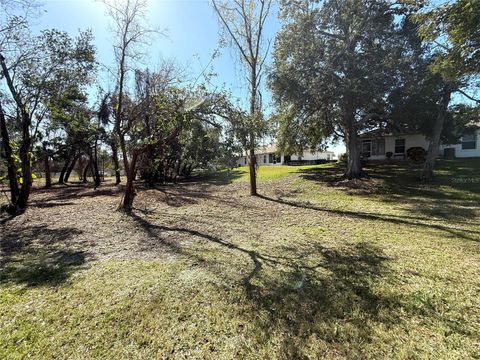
<point x="416" y="154"/>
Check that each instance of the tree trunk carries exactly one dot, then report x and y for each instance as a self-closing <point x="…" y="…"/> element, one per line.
<point x="129" y="188"/>
<point x="8" y="155"/>
<point x="96" y="173"/>
<point x="97" y="178"/>
<point x="128" y="196"/>
<point x="433" y="147"/>
<point x="85" y="172"/>
<point x="61" y="178"/>
<point x="70" y="168"/>
<point x="48" y="175"/>
<point x="354" y="165"/>
<point x="25" y="157"/>
<point x="116" y="163"/>
<point x="253" y="172"/>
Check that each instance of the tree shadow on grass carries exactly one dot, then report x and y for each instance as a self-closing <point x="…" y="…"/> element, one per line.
<point x="400" y="180"/>
<point x="180" y="195"/>
<point x="289" y="298"/>
<point x="398" y="183"/>
<point x="38" y="267"/>
<point x="45" y="204"/>
<point x="329" y="176"/>
<point x="335" y="302"/>
<point x="66" y="195"/>
<point x="39" y="255"/>
<point x="222" y="177"/>
<point x="405" y="179"/>
<point x="464" y="233"/>
<point x="184" y="194"/>
<point x="307" y="300"/>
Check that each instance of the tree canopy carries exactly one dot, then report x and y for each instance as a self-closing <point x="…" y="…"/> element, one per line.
<point x="335" y="65"/>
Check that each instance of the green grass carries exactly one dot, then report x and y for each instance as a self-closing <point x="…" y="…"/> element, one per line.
<point x="385" y="268"/>
<point x="275" y="172"/>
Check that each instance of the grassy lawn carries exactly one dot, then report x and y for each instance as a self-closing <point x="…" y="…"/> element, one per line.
<point x="276" y="172"/>
<point x="384" y="268"/>
<point x="267" y="172"/>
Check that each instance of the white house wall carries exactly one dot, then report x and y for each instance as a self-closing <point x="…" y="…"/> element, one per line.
<point x="416" y="140"/>
<point x="461" y="153"/>
<point x="419" y="140"/>
<point x="243" y="161"/>
<point x="307" y="156"/>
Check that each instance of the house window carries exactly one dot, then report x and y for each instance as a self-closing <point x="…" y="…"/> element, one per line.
<point x="366" y="148"/>
<point x="469" y="141"/>
<point x="373" y="147"/>
<point x="264" y="159"/>
<point x="399" y="146"/>
<point x="278" y="158"/>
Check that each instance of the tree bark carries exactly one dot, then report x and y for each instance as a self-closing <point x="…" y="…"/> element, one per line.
<point x="8" y="155"/>
<point x="354" y="165"/>
<point x="129" y="188"/>
<point x="116" y="163"/>
<point x="85" y="172"/>
<point x="96" y="173"/>
<point x="61" y="178"/>
<point x="98" y="180"/>
<point x="427" y="174"/>
<point x="253" y="172"/>
<point x="70" y="168"/>
<point x="48" y="175"/>
<point x="24" y="194"/>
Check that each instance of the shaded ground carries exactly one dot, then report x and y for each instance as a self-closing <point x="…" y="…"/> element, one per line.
<point x="383" y="268"/>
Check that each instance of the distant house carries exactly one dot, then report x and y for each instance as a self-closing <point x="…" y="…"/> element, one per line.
<point x="375" y="145"/>
<point x="268" y="155"/>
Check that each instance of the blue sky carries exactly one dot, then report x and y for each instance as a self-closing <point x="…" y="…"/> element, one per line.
<point x="192" y="37"/>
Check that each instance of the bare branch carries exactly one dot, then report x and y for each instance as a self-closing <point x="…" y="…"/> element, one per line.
<point x="468" y="96"/>
<point x="231" y="33"/>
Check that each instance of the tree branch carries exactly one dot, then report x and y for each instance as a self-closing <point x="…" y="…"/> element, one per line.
<point x="468" y="96"/>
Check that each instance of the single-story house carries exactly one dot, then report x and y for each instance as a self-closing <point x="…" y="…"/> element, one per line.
<point x="374" y="145"/>
<point x="268" y="155"/>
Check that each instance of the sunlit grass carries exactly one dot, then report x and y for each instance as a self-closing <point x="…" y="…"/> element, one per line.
<point x="274" y="172"/>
